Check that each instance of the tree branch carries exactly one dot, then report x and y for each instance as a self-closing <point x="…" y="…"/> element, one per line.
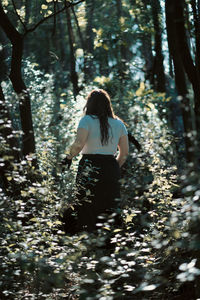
<point x="67" y="5"/>
<point x="7" y="27"/>
<point x="18" y="16"/>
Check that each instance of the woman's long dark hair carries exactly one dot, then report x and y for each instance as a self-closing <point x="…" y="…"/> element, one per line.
<point x="99" y="104"/>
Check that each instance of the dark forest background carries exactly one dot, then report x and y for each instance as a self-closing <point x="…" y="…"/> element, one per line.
<point x="146" y="54"/>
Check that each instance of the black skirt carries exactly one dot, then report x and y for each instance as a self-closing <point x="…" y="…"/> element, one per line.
<point x="97" y="188"/>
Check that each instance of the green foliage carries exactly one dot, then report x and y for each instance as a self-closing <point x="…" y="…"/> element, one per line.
<point x="149" y="247"/>
<point x="124" y="260"/>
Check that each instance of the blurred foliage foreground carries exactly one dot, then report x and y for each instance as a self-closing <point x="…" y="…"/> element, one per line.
<point x="153" y="254"/>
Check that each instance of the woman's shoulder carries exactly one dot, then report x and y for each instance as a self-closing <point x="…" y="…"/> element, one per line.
<point x="117" y="121"/>
<point x="87" y="117"/>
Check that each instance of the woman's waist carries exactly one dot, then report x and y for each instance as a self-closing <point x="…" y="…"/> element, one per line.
<point x="99" y="149"/>
<point x="97" y="155"/>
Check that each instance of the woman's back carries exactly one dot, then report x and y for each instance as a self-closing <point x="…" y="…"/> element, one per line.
<point x="93" y="144"/>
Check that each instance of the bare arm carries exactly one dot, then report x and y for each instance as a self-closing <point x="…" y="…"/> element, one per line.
<point x="79" y="142"/>
<point x="123" y="150"/>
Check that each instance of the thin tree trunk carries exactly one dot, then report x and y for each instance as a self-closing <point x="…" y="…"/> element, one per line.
<point x="158" y="59"/>
<point x="82" y="42"/>
<point x="89" y="44"/>
<point x="180" y="78"/>
<point x="74" y="76"/>
<point x="146" y="48"/>
<point x="187" y="60"/>
<point x="122" y="49"/>
<point x="19" y="86"/>
<point x="196" y="14"/>
<point x="198" y="9"/>
<point x="61" y="39"/>
<point x="171" y="70"/>
<point x="147" y="54"/>
<point x="104" y="63"/>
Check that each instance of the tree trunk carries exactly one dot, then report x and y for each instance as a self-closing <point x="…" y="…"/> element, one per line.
<point x="122" y="49"/>
<point x="180" y="79"/>
<point x="74" y="76"/>
<point x="186" y="57"/>
<point x="89" y="44"/>
<point x="61" y="40"/>
<point x="171" y="70"/>
<point x="16" y="39"/>
<point x="146" y="48"/>
<point x="196" y="15"/>
<point x="158" y="59"/>
<point x="104" y="68"/>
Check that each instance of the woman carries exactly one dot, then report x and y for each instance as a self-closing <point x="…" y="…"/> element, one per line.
<point x="99" y="135"/>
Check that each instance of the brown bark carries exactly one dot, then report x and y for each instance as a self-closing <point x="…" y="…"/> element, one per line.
<point x="122" y="49"/>
<point x="180" y="78"/>
<point x="158" y="59"/>
<point x="17" y="40"/>
<point x="74" y="76"/>
<point x="54" y="17"/>
<point x="196" y="15"/>
<point x="82" y="41"/>
<point x="186" y="57"/>
<point x="89" y="43"/>
<point x="171" y="70"/>
<point x="146" y="48"/>
<point x="61" y="41"/>
<point x="104" y="68"/>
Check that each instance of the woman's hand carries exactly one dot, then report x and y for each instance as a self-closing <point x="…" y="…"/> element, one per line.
<point x="123" y="150"/>
<point x="69" y="156"/>
<point x="66" y="162"/>
<point x="75" y="148"/>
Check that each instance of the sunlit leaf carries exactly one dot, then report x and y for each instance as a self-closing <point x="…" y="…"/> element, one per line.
<point x="141" y="89"/>
<point x="43" y="6"/>
<point x="33" y="220"/>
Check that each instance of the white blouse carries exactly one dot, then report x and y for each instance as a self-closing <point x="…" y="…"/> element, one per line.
<point x="93" y="144"/>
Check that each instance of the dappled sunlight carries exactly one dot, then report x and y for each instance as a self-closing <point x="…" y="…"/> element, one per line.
<point x="145" y="243"/>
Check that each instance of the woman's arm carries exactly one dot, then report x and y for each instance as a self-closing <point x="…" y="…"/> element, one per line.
<point x="123" y="150"/>
<point x="80" y="140"/>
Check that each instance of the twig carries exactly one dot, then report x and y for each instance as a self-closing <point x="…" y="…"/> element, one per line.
<point x="54" y="18"/>
<point x="13" y="3"/>
<point x="52" y="15"/>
